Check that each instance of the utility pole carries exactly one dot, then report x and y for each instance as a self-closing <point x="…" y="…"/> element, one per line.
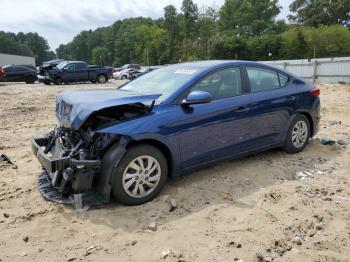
<point x="314" y="52"/>
<point x="147" y="57"/>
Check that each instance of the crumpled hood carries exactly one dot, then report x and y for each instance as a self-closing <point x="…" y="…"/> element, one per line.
<point x="74" y="108"/>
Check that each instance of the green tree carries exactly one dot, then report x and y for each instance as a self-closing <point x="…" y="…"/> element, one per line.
<point x="327" y="41"/>
<point x="30" y="44"/>
<point x="264" y="47"/>
<point x="99" y="55"/>
<point x="171" y="24"/>
<point x="320" y="12"/>
<point x="188" y="18"/>
<point x="150" y="44"/>
<point x="39" y="47"/>
<point x="229" y="46"/>
<point x="294" y="44"/>
<point x="10" y="45"/>
<point x="207" y="28"/>
<point x="248" y="16"/>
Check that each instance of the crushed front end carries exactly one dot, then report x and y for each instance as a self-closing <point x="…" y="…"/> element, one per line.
<point x="75" y="156"/>
<point x="69" y="165"/>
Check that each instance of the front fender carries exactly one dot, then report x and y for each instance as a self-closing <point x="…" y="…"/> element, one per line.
<point x="110" y="161"/>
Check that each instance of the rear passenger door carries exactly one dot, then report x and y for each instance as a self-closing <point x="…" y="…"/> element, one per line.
<point x="81" y="72"/>
<point x="21" y="73"/>
<point x="273" y="102"/>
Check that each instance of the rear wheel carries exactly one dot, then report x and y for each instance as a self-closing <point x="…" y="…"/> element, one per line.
<point x="140" y="175"/>
<point x="298" y="135"/>
<point x="123" y="77"/>
<point x="102" y="79"/>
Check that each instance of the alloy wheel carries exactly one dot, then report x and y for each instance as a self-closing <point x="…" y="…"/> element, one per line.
<point x="141" y="176"/>
<point x="299" y="134"/>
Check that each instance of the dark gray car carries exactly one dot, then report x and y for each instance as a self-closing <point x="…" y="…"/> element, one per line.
<point x="18" y="73"/>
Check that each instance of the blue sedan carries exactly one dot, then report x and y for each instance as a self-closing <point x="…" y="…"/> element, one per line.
<point x="125" y="143"/>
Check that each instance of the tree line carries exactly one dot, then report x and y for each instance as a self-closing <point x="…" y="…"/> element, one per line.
<point x="30" y="44"/>
<point x="240" y="29"/>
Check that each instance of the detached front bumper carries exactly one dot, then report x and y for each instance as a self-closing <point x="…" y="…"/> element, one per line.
<point x="63" y="177"/>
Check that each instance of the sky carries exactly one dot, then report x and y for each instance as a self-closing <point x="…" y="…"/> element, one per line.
<point x="59" y="21"/>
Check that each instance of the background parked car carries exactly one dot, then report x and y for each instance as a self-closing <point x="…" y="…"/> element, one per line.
<point x="43" y="70"/>
<point x="124" y="74"/>
<point x="127" y="66"/>
<point x="142" y="71"/>
<point x="19" y="73"/>
<point x="76" y="71"/>
<point x="1" y="71"/>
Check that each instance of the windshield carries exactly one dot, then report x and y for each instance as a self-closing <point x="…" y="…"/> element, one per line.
<point x="61" y="65"/>
<point x="163" y="81"/>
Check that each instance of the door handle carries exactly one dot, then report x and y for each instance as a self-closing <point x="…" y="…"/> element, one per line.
<point x="241" y="109"/>
<point x="290" y="98"/>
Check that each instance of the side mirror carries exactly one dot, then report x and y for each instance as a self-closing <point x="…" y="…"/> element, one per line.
<point x="197" y="97"/>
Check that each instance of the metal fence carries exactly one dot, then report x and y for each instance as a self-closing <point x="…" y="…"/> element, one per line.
<point x="322" y="70"/>
<point x="6" y="59"/>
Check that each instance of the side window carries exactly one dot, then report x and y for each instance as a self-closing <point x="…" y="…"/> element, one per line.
<point x="70" y="67"/>
<point x="221" y="84"/>
<point x="284" y="79"/>
<point x="262" y="79"/>
<point x="80" y="66"/>
<point x="19" y="69"/>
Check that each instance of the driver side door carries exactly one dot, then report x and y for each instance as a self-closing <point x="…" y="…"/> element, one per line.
<point x="218" y="129"/>
<point x="69" y="73"/>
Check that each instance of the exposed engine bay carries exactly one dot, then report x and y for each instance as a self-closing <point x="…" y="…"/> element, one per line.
<point x="72" y="158"/>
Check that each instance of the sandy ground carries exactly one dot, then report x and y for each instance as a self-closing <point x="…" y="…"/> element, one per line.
<point x="251" y="209"/>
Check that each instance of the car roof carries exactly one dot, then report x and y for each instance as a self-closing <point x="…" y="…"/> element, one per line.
<point x="75" y="62"/>
<point x="212" y="64"/>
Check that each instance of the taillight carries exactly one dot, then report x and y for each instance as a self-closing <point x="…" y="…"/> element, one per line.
<point x="315" y="92"/>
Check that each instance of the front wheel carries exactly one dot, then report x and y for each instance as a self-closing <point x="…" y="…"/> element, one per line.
<point x="140" y="175"/>
<point x="298" y="135"/>
<point x="30" y="80"/>
<point x="58" y="81"/>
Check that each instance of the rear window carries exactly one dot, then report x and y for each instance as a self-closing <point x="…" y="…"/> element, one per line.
<point x="262" y="79"/>
<point x="284" y="79"/>
<point x="8" y="69"/>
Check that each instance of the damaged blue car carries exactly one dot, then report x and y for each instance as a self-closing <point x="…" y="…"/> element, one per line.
<point x="125" y="143"/>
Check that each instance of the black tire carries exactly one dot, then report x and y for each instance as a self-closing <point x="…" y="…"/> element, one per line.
<point x="58" y="81"/>
<point x="289" y="146"/>
<point x="118" y="191"/>
<point x="47" y="83"/>
<point x="123" y="77"/>
<point x="102" y="79"/>
<point x="30" y="80"/>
